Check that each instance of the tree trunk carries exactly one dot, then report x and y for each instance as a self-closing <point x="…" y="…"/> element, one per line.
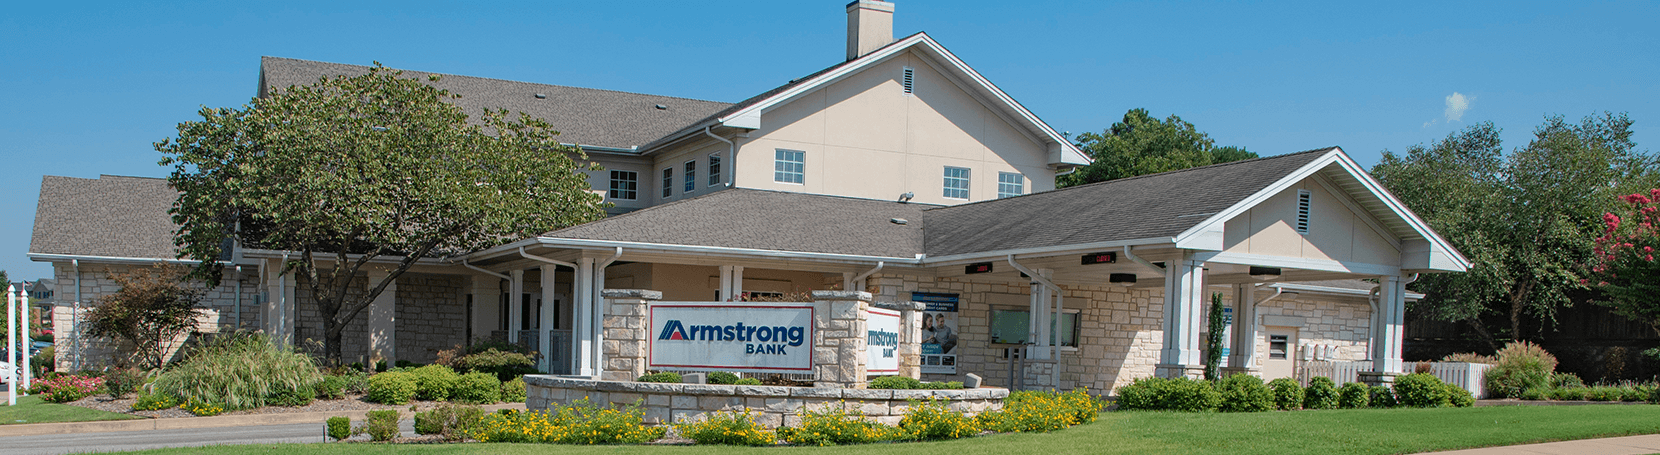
<point x="1486" y="336"/>
<point x="332" y="336"/>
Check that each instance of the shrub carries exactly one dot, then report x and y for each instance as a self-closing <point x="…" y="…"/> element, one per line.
<point x="1604" y="393"/>
<point x="339" y="428"/>
<point x="722" y="377"/>
<point x="1654" y="394"/>
<point x="932" y="419"/>
<point x="291" y="398"/>
<point x="382" y="425"/>
<point x="578" y="423"/>
<point x="478" y="387"/>
<point x="940" y="385"/>
<point x="1139" y="394"/>
<point x="1559" y="380"/>
<point x="895" y="382"/>
<point x="1288" y="395"/>
<point x="154" y="401"/>
<point x="1179" y="394"/>
<point x="1353" y="395"/>
<point x="240" y="371"/>
<point x="392" y="387"/>
<point x="1320" y="394"/>
<point x="1458" y="397"/>
<point x="666" y="376"/>
<point x="727" y="428"/>
<point x="434" y="382"/>
<point x="748" y="381"/>
<point x="1383" y="397"/>
<point x="331" y="388"/>
<point x="1421" y="390"/>
<point x="453" y="422"/>
<point x="357" y="382"/>
<point x="1634" y="393"/>
<point x="513" y="391"/>
<point x="1469" y="357"/>
<point x="1041" y="412"/>
<point x="119" y="383"/>
<point x="1245" y="393"/>
<point x="834" y="425"/>
<point x="1521" y="365"/>
<point x="1539" y="394"/>
<point x="66" y="388"/>
<point x="202" y="408"/>
<point x="152" y="308"/>
<point x="505" y="365"/>
<point x="1565" y="393"/>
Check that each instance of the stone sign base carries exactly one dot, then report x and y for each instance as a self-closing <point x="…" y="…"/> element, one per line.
<point x="770" y="405"/>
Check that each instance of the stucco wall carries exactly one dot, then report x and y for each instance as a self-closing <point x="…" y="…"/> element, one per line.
<point x="1335" y="231"/>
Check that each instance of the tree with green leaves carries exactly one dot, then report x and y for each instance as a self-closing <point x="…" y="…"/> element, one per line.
<point x="1213" y="339"/>
<point x="1141" y="144"/>
<point x="153" y="308"/>
<point x="375" y="172"/>
<point x="1526" y="219"/>
<point x="1623" y="266"/>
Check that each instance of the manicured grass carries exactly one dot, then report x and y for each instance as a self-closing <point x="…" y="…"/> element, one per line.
<point x="1314" y="432"/>
<point x="32" y="409"/>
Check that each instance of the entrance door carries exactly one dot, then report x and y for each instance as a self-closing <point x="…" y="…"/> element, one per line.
<point x="1282" y="353"/>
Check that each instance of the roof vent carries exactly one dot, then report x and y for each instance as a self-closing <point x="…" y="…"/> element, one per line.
<point x="909" y="80"/>
<point x="541" y="96"/>
<point x="1302" y="211"/>
<point x="661" y="107"/>
<point x="897" y="220"/>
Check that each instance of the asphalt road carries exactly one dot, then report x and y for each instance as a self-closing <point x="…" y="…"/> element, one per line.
<point x="157" y="439"/>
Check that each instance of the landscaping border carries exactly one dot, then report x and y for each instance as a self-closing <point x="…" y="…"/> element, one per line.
<point x="106" y="426"/>
<point x="772" y="406"/>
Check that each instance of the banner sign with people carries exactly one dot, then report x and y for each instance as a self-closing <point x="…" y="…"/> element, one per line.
<point x="939" y="332"/>
<point x="882" y="343"/>
<point x="751" y="338"/>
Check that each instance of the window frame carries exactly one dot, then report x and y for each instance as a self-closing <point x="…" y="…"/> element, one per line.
<point x="1077" y="325"/>
<point x="967" y="179"/>
<point x="1020" y="186"/>
<point x="781" y="175"/>
<point x="615" y="193"/>
<point x="715" y="177"/>
<point x="668" y="182"/>
<point x="690" y="177"/>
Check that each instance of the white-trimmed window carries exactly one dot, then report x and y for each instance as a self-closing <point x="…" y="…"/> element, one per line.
<point x="789" y="166"/>
<point x="691" y="176"/>
<point x="624" y="185"/>
<point x="1010" y="184"/>
<point x="668" y="181"/>
<point x="1013" y="326"/>
<point x="956" y="182"/>
<point x="714" y="169"/>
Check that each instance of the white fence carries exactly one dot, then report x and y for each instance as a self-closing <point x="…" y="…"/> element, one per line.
<point x="1468" y="376"/>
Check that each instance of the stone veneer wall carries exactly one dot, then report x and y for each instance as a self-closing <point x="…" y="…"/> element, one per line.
<point x="308" y="324"/>
<point x="770" y="405"/>
<point x="1343" y="322"/>
<point x="432" y="315"/>
<point x="218" y="306"/>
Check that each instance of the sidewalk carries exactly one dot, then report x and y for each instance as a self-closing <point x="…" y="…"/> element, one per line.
<point x="30" y="429"/>
<point x="1625" y="445"/>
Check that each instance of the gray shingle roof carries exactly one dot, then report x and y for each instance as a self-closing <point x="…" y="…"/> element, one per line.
<point x="582" y="115"/>
<point x="1156" y="205"/>
<point x="768" y="220"/>
<point x="108" y="216"/>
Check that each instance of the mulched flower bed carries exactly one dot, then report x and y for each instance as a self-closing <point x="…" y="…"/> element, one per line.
<point x="349" y="403"/>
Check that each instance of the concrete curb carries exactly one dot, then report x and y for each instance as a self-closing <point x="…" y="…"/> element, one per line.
<point x="33" y="429"/>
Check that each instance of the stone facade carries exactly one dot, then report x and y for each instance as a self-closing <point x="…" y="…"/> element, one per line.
<point x="625" y="322"/>
<point x="770" y="406"/>
<point x="840" y="320"/>
<point x="218" y="305"/>
<point x="1340" y="322"/>
<point x="431" y="316"/>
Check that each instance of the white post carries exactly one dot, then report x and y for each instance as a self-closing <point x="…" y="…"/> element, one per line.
<point x="544" y="334"/>
<point x="584" y="296"/>
<point x="579" y="320"/>
<point x="596" y="297"/>
<point x="11" y="345"/>
<point x="1184" y="294"/>
<point x="23" y="337"/>
<point x="515" y="304"/>
<point x="1244" y="342"/>
<point x="737" y="281"/>
<point x="1386" y="345"/>
<point x="726" y="290"/>
<point x="383" y="320"/>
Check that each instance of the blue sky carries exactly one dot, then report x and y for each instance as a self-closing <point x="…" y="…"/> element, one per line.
<point x="91" y="85"/>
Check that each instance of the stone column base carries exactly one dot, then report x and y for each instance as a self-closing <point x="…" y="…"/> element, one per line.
<point x="1372" y="378"/>
<point x="1230" y="371"/>
<point x="1165" y="370"/>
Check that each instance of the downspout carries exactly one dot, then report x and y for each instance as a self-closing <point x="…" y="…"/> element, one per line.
<point x="731" y="157"/>
<point x="238" y="298"/>
<point x="1055" y="355"/>
<point x="486" y="272"/>
<point x="859" y="281"/>
<point x="1129" y="253"/>
<point x="75" y="315"/>
<point x="538" y="258"/>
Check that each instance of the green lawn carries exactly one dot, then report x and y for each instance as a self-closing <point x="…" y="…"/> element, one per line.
<point x="31" y="409"/>
<point x="1314" y="432"/>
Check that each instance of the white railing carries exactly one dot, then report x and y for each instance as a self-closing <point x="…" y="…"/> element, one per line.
<point x="1467" y="375"/>
<point x="1340" y="372"/>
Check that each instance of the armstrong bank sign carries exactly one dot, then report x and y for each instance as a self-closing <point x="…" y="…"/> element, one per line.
<point x="757" y="338"/>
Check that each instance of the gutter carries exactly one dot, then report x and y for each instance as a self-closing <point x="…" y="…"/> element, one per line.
<point x="718" y="250"/>
<point x="48" y="257"/>
<point x="1129" y="254"/>
<point x="487" y="272"/>
<point x="731" y="156"/>
<point x="1043" y="251"/>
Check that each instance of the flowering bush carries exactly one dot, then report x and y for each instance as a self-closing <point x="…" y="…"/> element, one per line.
<point x="67" y="388"/>
<point x="833" y="425"/>
<point x="1623" y="260"/>
<point x="578" y="423"/>
<point x="1041" y="412"/>
<point x="154" y="401"/>
<point x="933" y="420"/>
<point x="202" y="409"/>
<point x="728" y="428"/>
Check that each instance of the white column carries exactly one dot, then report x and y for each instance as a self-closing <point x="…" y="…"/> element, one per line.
<point x="486" y="305"/>
<point x="515" y="304"/>
<point x="23" y="336"/>
<point x="1184" y="295"/>
<point x="383" y="320"/>
<point x="11" y="344"/>
<point x="278" y="309"/>
<point x="847" y="282"/>
<point x="544" y="335"/>
<point x="584" y="337"/>
<point x="1389" y="321"/>
<point x="738" y="280"/>
<point x="596" y="297"/>
<point x="1243" y="347"/>
<point x="726" y="291"/>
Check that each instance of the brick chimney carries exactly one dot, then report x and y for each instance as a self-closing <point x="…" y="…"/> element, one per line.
<point x="869" y="26"/>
